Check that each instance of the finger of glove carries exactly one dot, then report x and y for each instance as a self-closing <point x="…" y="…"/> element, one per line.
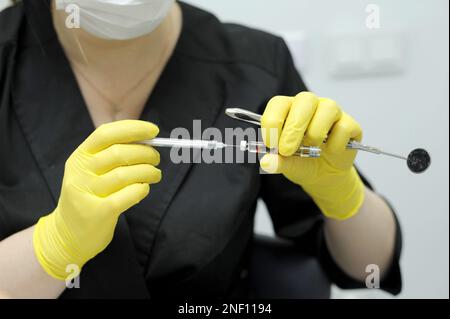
<point x="327" y="114"/>
<point x="118" y="155"/>
<point x="273" y="119"/>
<point x="121" y="132"/>
<point x="344" y="130"/>
<point x="300" y="115"/>
<point x="121" y="177"/>
<point x="128" y="197"/>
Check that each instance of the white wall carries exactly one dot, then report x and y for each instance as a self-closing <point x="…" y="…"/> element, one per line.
<point x="3" y="3"/>
<point x="398" y="111"/>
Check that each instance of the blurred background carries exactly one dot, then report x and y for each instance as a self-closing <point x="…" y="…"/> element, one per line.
<point x="386" y="63"/>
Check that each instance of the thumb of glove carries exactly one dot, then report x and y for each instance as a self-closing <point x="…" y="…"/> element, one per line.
<point x="297" y="169"/>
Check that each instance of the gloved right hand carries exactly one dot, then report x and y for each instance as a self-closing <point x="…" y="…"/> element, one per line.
<point x="331" y="180"/>
<point x="103" y="178"/>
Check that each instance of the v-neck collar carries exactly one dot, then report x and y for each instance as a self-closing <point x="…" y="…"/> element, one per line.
<point x="55" y="119"/>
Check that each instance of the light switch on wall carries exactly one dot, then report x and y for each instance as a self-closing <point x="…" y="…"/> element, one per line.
<point x="348" y="56"/>
<point x="386" y="54"/>
<point x="364" y="55"/>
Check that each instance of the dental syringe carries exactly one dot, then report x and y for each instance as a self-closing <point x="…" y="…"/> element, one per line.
<point x="184" y="143"/>
<point x="418" y="160"/>
<point x="245" y="146"/>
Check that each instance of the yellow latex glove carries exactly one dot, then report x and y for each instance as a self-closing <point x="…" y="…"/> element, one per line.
<point x="332" y="181"/>
<point x="103" y="178"/>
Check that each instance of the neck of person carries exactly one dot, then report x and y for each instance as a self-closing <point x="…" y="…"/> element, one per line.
<point x="99" y="55"/>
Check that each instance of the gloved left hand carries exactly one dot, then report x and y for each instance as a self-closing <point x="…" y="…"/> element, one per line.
<point x="104" y="177"/>
<point x="332" y="181"/>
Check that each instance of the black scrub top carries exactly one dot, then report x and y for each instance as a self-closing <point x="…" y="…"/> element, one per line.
<point x="190" y="237"/>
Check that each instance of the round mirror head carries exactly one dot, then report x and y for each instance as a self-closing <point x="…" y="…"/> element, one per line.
<point x="418" y="161"/>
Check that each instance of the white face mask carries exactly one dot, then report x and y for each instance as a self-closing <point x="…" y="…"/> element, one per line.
<point x="119" y="19"/>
